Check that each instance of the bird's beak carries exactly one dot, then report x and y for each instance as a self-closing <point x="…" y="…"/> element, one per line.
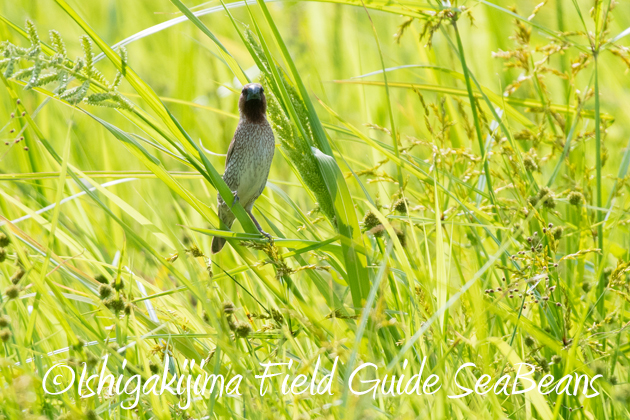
<point x="253" y="94"/>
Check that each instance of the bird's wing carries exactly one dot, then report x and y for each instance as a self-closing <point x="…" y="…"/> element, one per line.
<point x="230" y="150"/>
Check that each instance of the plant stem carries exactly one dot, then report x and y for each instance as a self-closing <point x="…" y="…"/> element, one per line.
<point x="471" y="98"/>
<point x="598" y="195"/>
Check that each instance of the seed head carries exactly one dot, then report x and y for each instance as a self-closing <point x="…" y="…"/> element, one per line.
<point x="118" y="285"/>
<point x="17" y="276"/>
<point x="533" y="200"/>
<point x="557" y="232"/>
<point x="101" y="279"/>
<point x="556" y="359"/>
<point x="530" y="163"/>
<point x="4" y="321"/>
<point x="91" y="360"/>
<point x="104" y="291"/>
<point x="195" y="251"/>
<point x="115" y="304"/>
<point x="401" y="237"/>
<point x="91" y="415"/>
<point x="5" y="335"/>
<point x="576" y="198"/>
<point x="80" y="344"/>
<point x="529" y="341"/>
<point x="370" y="220"/>
<point x="3" y="255"/>
<point x="242" y="329"/>
<point x="12" y="291"/>
<point x="401" y="206"/>
<point x="228" y="308"/>
<point x="4" y="240"/>
<point x="544" y="364"/>
<point x="546" y="196"/>
<point x="154" y="367"/>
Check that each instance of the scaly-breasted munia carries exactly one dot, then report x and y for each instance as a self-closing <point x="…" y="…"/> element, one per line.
<point x="248" y="158"/>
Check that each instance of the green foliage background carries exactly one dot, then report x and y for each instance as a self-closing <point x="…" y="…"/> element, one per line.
<point x="406" y="222"/>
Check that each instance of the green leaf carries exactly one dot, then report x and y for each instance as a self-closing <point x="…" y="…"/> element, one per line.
<point x="348" y="226"/>
<point x="225" y="55"/>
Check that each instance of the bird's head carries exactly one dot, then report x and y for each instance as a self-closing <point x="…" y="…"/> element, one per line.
<point x="252" y="102"/>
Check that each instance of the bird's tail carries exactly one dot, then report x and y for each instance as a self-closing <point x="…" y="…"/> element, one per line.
<point x="217" y="244"/>
<point x="227" y="217"/>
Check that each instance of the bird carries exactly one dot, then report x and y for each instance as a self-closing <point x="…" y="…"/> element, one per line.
<point x="248" y="158"/>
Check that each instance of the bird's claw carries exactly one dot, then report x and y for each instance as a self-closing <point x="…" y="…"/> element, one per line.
<point x="236" y="199"/>
<point x="266" y="235"/>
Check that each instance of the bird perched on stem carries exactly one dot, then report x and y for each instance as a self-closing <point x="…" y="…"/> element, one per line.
<point x="248" y="158"/>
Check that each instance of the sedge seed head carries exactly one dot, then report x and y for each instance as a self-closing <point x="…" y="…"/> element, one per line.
<point x="12" y="292"/>
<point x="242" y="329"/>
<point x="118" y="285"/>
<point x="228" y="308"/>
<point x="105" y="291"/>
<point x="576" y="198"/>
<point x="91" y="415"/>
<point x="401" y="206"/>
<point x="370" y="221"/>
<point x="115" y="304"/>
<point x="101" y="279"/>
<point x="154" y="367"/>
<point x="17" y="276"/>
<point x="546" y="196"/>
<point x="5" y="335"/>
<point x="530" y="163"/>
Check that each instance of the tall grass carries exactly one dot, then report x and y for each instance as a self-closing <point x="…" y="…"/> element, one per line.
<point x="457" y="191"/>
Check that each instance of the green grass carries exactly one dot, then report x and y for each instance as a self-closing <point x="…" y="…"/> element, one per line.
<point x="413" y="173"/>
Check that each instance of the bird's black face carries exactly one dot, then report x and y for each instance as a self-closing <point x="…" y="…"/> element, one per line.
<point x="253" y="103"/>
<point x="253" y="91"/>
